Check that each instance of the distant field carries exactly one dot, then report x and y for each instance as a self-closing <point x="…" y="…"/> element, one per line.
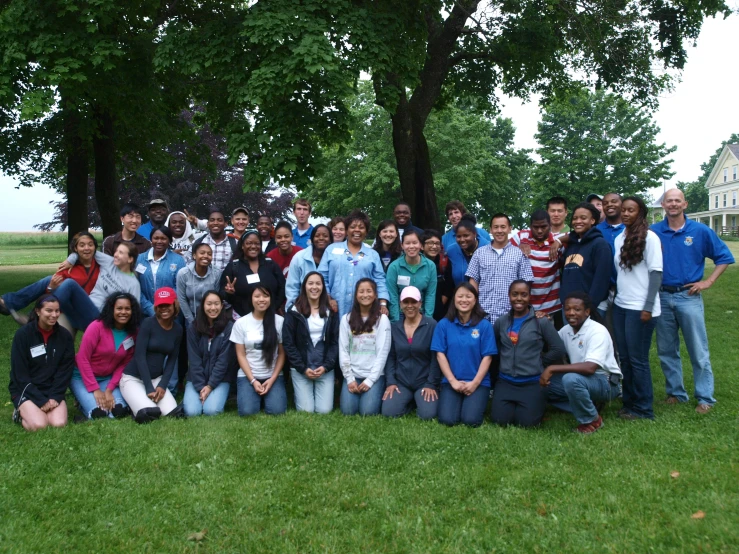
<point x="37" y="239"/>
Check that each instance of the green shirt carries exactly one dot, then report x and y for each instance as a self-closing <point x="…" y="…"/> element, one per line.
<point x="400" y="274"/>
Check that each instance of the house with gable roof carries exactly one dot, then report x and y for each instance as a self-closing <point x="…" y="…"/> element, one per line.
<point x="723" y="194"/>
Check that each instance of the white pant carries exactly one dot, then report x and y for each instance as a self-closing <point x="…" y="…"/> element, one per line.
<point x="134" y="393"/>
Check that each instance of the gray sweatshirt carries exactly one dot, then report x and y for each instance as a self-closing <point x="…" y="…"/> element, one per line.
<point x="364" y="356"/>
<point x="191" y="287"/>
<point x="110" y="280"/>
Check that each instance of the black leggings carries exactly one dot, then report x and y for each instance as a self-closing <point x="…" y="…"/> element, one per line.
<point x="518" y="404"/>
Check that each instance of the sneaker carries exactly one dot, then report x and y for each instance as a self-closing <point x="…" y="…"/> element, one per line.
<point x="628" y="416"/>
<point x="672" y="400"/>
<point x="98" y="413"/>
<point x="703" y="409"/>
<point x="590" y="428"/>
<point x="119" y="410"/>
<point x="20" y="319"/>
<point x="17" y="416"/>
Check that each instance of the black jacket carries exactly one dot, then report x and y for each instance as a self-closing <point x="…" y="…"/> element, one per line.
<point x="414" y="365"/>
<point x="588" y="263"/>
<point x="210" y="366"/>
<point x="296" y="341"/>
<point x="45" y="376"/>
<point x="270" y="277"/>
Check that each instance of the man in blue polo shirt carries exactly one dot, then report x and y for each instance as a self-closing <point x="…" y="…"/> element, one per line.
<point x="611" y="227"/>
<point x="685" y="246"/>
<point x="302" y="230"/>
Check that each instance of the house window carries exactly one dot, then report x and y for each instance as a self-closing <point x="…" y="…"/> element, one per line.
<point x="733" y="221"/>
<point x="724" y="200"/>
<point x="716" y="203"/>
<point x="726" y="174"/>
<point x="733" y="198"/>
<point x="734" y="170"/>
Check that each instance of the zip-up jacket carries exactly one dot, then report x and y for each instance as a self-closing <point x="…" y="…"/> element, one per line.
<point x="413" y="365"/>
<point x="587" y="266"/>
<point x="399" y="276"/>
<point x="169" y="265"/>
<point x="45" y="375"/>
<point x="538" y="346"/>
<point x="191" y="287"/>
<point x="210" y="365"/>
<point x="297" y="342"/>
<point x="268" y="276"/>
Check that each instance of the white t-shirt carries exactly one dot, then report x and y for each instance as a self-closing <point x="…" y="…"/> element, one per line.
<point x="592" y="343"/>
<point x="632" y="285"/>
<point x="250" y="332"/>
<point x="315" y="327"/>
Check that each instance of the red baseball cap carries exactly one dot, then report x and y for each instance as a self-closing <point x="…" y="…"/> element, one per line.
<point x="165" y="295"/>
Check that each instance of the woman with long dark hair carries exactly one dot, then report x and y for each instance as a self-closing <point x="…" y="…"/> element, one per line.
<point x="249" y="270"/>
<point x="364" y="344"/>
<point x="212" y="358"/>
<point x="41" y="364"/>
<point x="464" y="346"/>
<point x="258" y="340"/>
<point x="107" y="347"/>
<point x="638" y="262"/>
<point x="311" y="339"/>
<point x="306" y="261"/>
<point x="387" y="242"/>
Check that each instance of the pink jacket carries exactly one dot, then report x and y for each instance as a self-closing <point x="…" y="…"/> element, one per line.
<point x="97" y="357"/>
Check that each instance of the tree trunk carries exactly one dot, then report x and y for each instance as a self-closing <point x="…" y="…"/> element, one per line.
<point x="106" y="184"/>
<point x="414" y="167"/>
<point x="78" y="170"/>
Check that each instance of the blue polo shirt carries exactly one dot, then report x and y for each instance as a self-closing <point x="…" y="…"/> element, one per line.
<point x="450" y="237"/>
<point x="302" y="240"/>
<point x="465" y="346"/>
<point x="684" y="251"/>
<point x="610" y="232"/>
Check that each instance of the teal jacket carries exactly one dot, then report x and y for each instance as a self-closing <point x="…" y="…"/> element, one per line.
<point x="399" y="276"/>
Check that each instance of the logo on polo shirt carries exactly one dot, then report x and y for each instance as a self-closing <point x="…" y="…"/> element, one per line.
<point x="172" y="267"/>
<point x="475" y="333"/>
<point x="688" y="241"/>
<point x="580" y="344"/>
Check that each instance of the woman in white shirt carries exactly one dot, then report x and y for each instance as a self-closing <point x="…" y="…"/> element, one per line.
<point x="364" y="344"/>
<point x="258" y="340"/>
<point x="638" y="262"/>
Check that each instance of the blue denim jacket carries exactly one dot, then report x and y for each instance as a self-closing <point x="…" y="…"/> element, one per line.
<point x="300" y="266"/>
<point x="169" y="265"/>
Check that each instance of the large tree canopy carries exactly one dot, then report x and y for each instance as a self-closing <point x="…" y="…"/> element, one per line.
<point x="696" y="192"/>
<point x="597" y="142"/>
<point x="472" y="157"/>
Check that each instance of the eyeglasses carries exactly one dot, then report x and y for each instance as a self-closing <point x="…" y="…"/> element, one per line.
<point x="432" y="243"/>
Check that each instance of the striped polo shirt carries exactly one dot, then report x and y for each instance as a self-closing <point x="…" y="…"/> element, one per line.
<point x="545" y="288"/>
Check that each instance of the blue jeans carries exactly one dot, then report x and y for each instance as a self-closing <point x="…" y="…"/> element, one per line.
<point x="75" y="304"/>
<point x="87" y="399"/>
<point x="633" y="339"/>
<point x="401" y="404"/>
<point x="455" y="407"/>
<point x="366" y="403"/>
<point x="577" y="393"/>
<point x="213" y="405"/>
<point x="680" y="311"/>
<point x="249" y="402"/>
<point x="313" y="395"/>
<point x="22" y="298"/>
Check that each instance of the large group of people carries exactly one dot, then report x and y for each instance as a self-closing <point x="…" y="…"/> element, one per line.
<point x="553" y="314"/>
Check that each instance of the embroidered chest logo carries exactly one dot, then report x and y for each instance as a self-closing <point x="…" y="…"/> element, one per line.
<point x="580" y="344"/>
<point x="475" y="333"/>
<point x="688" y="241"/>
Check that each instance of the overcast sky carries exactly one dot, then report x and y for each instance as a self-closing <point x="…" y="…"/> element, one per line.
<point x="696" y="117"/>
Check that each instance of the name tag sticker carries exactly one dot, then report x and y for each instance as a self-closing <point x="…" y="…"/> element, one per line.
<point x="337" y="250"/>
<point x="404" y="280"/>
<point x="128" y="343"/>
<point x="38" y="350"/>
<point x="254" y="336"/>
<point x="141" y="268"/>
<point x="253" y="278"/>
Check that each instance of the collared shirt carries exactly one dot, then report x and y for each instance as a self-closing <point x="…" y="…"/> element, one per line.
<point x="302" y="238"/>
<point x="592" y="343"/>
<point x="684" y="251"/>
<point x="450" y="237"/>
<point x="222" y="252"/>
<point x="545" y="288"/>
<point x="464" y="346"/>
<point x="154" y="265"/>
<point x="494" y="273"/>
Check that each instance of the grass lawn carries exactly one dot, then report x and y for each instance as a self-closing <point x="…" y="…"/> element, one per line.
<point x="302" y="483"/>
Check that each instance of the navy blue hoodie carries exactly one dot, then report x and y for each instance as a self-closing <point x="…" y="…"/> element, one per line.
<point x="587" y="266"/>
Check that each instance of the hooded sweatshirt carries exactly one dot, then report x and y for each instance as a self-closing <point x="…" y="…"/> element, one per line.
<point x="184" y="243"/>
<point x="587" y="266"/>
<point x="191" y="287"/>
<point x="110" y="280"/>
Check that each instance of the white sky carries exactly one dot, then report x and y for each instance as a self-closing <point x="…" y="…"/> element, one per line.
<point x="696" y="117"/>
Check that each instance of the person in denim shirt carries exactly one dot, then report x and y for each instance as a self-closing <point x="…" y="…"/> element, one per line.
<point x="157" y="268"/>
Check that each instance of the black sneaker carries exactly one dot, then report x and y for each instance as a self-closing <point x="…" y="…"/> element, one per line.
<point x="119" y="410"/>
<point x="98" y="413"/>
<point x="147" y="415"/>
<point x="178" y="412"/>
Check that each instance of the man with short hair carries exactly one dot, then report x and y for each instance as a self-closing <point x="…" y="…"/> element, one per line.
<point x="611" y="227"/>
<point x="301" y="232"/>
<point x="685" y="246"/>
<point x="494" y="267"/>
<point x="557" y="210"/>
<point x="158" y="211"/>
<point x="536" y="243"/>
<point x="223" y="246"/>
<point x="596" y="201"/>
<point x="402" y="217"/>
<point x="239" y="222"/>
<point x="454" y="211"/>
<point x="130" y="222"/>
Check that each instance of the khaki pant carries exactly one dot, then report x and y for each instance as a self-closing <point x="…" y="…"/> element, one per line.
<point x="134" y="393"/>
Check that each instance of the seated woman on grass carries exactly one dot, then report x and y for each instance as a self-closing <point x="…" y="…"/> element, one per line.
<point x="364" y="344"/>
<point x="41" y="364"/>
<point x="212" y="359"/>
<point x="464" y="346"/>
<point x="107" y="347"/>
<point x="526" y="346"/>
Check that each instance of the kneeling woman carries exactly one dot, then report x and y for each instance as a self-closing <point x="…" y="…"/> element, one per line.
<point x="527" y="345"/>
<point x="258" y="341"/>
<point x="364" y="344"/>
<point x="145" y="379"/>
<point x="106" y="349"/>
<point x="41" y="364"/>
<point x="465" y="346"/>
<point x="412" y="371"/>
<point x="311" y="338"/>
<point x="211" y="356"/>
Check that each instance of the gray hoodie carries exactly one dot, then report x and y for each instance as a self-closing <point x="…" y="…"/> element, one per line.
<point x="191" y="287"/>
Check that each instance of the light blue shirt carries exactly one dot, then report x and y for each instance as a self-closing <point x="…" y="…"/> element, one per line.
<point x="341" y="271"/>
<point x="166" y="276"/>
<point x="300" y="266"/>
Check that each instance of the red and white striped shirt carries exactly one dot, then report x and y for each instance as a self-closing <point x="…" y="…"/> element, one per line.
<point x="545" y="288"/>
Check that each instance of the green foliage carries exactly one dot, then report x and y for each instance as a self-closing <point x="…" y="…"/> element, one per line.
<point x="597" y="142"/>
<point x="696" y="192"/>
<point x="472" y="157"/>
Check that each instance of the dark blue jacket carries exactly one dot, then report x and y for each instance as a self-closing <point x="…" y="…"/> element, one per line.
<point x="210" y="365"/>
<point x="587" y="266"/>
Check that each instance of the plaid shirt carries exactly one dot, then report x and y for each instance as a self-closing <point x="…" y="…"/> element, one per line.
<point x="494" y="273"/>
<point x="222" y="252"/>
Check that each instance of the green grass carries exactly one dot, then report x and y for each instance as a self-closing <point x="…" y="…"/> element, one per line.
<point x="300" y="483"/>
<point x="31" y="255"/>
